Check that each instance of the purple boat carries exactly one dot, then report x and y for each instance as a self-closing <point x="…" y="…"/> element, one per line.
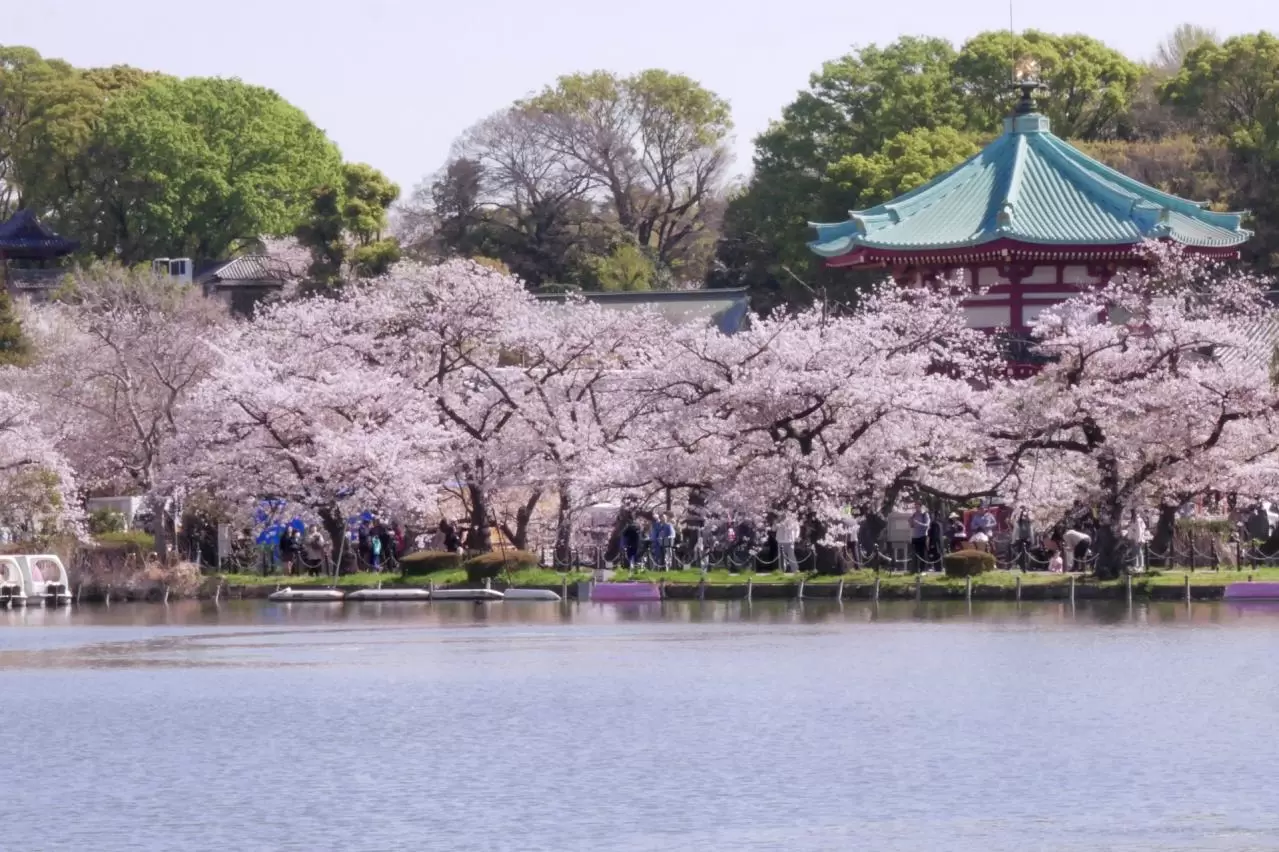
<point x="625" y="592"/>
<point x="1252" y="592"/>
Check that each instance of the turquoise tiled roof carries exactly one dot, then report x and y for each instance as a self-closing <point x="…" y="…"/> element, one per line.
<point x="1029" y="186"/>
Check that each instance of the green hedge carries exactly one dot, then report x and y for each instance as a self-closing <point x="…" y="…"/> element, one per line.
<point x="968" y="563"/>
<point x="132" y="540"/>
<point x="429" y="561"/>
<point x="487" y="566"/>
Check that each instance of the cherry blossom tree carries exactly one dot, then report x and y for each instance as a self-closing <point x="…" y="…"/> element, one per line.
<point x="117" y="354"/>
<point x="581" y="388"/>
<point x="1142" y="398"/>
<point x="806" y="414"/>
<point x="293" y="410"/>
<point x="442" y="330"/>
<point x="37" y="486"/>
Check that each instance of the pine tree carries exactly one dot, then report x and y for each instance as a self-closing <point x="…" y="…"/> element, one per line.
<point x="15" y="348"/>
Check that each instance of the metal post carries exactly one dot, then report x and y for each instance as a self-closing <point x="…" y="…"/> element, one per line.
<point x="1190" y="535"/>
<point x="750" y="586"/>
<point x="877" y="590"/>
<point x="839" y="592"/>
<point x="1072" y="589"/>
<point x="1129" y="584"/>
<point x="1019" y="587"/>
<point x="800" y="595"/>
<point x="968" y="588"/>
<point x="701" y="590"/>
<point x="1187" y="588"/>
<point x="919" y="587"/>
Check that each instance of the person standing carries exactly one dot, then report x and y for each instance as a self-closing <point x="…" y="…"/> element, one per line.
<point x="317" y="555"/>
<point x="631" y="537"/>
<point x="452" y="541"/>
<point x="919" y="524"/>
<point x="1024" y="536"/>
<point x="661" y="540"/>
<point x="787" y="534"/>
<point x="1137" y="535"/>
<point x="956" y="535"/>
<point x="289" y="542"/>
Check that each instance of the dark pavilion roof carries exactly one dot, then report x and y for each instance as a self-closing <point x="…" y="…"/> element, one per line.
<point x="24" y="237"/>
<point x="1028" y="195"/>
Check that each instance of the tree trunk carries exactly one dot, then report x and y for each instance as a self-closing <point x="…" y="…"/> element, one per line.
<point x="335" y="528"/>
<point x="1161" y="542"/>
<point x="1109" y="548"/>
<point x="523" y="517"/>
<point x="872" y="527"/>
<point x="564" y="528"/>
<point x="479" y="538"/>
<point x="826" y="559"/>
<point x="1106" y="538"/>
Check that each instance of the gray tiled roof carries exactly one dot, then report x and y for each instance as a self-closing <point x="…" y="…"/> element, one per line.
<point x="250" y="267"/>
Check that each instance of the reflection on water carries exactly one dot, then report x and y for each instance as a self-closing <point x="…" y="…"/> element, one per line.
<point x="260" y="613"/>
<point x="683" y="725"/>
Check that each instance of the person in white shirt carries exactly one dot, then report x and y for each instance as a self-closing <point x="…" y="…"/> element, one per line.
<point x="787" y="533"/>
<point x="1137" y="537"/>
<point x="1070" y="544"/>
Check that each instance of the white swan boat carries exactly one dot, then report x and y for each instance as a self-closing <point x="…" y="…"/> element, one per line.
<point x="30" y="579"/>
<point x="12" y="591"/>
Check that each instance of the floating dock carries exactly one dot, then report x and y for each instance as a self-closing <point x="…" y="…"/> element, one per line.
<point x="626" y="592"/>
<point x="1252" y="592"/>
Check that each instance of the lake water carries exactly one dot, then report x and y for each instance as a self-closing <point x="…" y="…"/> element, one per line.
<point x="777" y="726"/>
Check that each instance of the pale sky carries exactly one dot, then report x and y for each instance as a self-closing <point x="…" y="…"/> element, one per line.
<point x="393" y="82"/>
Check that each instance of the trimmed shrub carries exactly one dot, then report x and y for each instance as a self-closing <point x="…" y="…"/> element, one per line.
<point x="106" y="521"/>
<point x="968" y="563"/>
<point x="428" y="562"/>
<point x="133" y="541"/>
<point x="487" y="566"/>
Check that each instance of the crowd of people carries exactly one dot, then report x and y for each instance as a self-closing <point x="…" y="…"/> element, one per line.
<point x="661" y="541"/>
<point x="1058" y="549"/>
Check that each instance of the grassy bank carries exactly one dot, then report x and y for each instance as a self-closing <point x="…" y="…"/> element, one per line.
<point x="454" y="577"/>
<point x="996" y="581"/>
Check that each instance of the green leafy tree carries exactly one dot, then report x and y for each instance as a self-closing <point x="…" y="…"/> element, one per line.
<point x="1228" y="89"/>
<point x="625" y="268"/>
<point x="47" y="113"/>
<point x="345" y="227"/>
<point x="196" y="167"/>
<point x="1090" y="86"/>
<point x="15" y="348"/>
<point x="853" y="106"/>
<point x="904" y="162"/>
<point x="323" y="233"/>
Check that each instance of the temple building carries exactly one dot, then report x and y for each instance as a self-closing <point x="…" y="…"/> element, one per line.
<point x="1028" y="220"/>
<point x="30" y="254"/>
